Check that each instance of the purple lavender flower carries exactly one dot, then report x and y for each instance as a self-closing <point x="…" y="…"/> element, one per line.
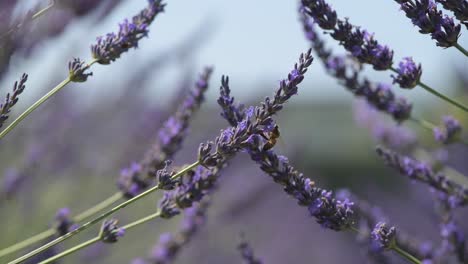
<point x="409" y="73"/>
<point x="139" y="176"/>
<point x="10" y="101"/>
<point x="63" y="221"/>
<point x="110" y="231"/>
<point x="109" y="48"/>
<point x="257" y="120"/>
<point x="76" y="70"/>
<point x="164" y="176"/>
<point x="235" y="113"/>
<point x="425" y="15"/>
<point x="247" y="252"/>
<point x="384" y="236"/>
<point x="422" y="172"/>
<point x="347" y="71"/>
<point x="359" y="43"/>
<point x="449" y="132"/>
<point x="459" y="9"/>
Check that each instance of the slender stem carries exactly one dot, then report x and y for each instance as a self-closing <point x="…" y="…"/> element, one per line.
<point x="98" y="207"/>
<point x="99" y="218"/>
<point x="423" y="123"/>
<point x="461" y="49"/>
<point x="97" y="239"/>
<point x="34" y="16"/>
<point x="440" y="95"/>
<point x="25" y="243"/>
<point x="406" y="255"/>
<point x="51" y="231"/>
<point x="71" y="250"/>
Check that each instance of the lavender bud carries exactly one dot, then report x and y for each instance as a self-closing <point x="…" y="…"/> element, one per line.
<point x="129" y="181"/>
<point x="110" y="231"/>
<point x="5" y="108"/>
<point x="247" y="252"/>
<point x="449" y="132"/>
<point x="76" y="70"/>
<point x="231" y="112"/>
<point x="64" y="222"/>
<point x="459" y="9"/>
<point x="383" y="236"/>
<point x="409" y="73"/>
<point x="164" y="176"/>
<point x="167" y="206"/>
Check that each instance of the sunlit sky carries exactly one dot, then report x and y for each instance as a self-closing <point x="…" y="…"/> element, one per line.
<point x="252" y="41"/>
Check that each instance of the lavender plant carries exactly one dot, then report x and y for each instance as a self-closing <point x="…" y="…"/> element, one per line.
<point x="186" y="188"/>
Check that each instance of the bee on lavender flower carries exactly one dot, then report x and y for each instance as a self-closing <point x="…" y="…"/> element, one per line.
<point x="271" y="138"/>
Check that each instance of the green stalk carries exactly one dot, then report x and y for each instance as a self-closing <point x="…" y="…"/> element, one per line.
<point x="406" y="255"/>
<point x="99" y="218"/>
<point x="440" y="95"/>
<point x="51" y="231"/>
<point x="461" y="49"/>
<point x="39" y="102"/>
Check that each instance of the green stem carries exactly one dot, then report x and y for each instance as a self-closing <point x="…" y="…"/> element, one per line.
<point x="461" y="49"/>
<point x="33" y="107"/>
<point x="423" y="123"/>
<point x="51" y="231"/>
<point x="406" y="255"/>
<point x="25" y="243"/>
<point x="71" y="250"/>
<point x="440" y="95"/>
<point x="97" y="239"/>
<point x="99" y="218"/>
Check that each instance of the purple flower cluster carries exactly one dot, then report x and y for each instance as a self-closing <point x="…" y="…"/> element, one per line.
<point x="139" y="176"/>
<point x="449" y="132"/>
<point x="384" y="236"/>
<point x="109" y="48"/>
<point x="458" y="7"/>
<point x="63" y="221"/>
<point x="234" y="113"/>
<point x="359" y="42"/>
<point x="409" y="73"/>
<point x="170" y="245"/>
<point x="110" y="231"/>
<point x="425" y="15"/>
<point x="12" y="99"/>
<point x="257" y="120"/>
<point x="347" y="71"/>
<point x="422" y="172"/>
<point x="76" y="70"/>
<point x="247" y="253"/>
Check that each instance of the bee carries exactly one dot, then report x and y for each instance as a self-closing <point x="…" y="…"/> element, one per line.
<point x="272" y="138"/>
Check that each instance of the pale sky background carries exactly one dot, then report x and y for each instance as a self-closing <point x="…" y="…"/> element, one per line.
<point x="252" y="41"/>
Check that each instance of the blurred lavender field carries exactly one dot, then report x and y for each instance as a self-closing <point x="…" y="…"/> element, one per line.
<point x="71" y="151"/>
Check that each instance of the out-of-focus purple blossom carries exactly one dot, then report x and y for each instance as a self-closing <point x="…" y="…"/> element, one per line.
<point x="347" y="71"/>
<point x="247" y="252"/>
<point x="139" y="176"/>
<point x="453" y="240"/>
<point x="360" y="43"/>
<point x="76" y="70"/>
<point x="458" y="7"/>
<point x="409" y="73"/>
<point x="425" y="15"/>
<point x="449" y="132"/>
<point x="422" y="172"/>
<point x="110" y="231"/>
<point x="109" y="48"/>
<point x="235" y="113"/>
<point x="63" y="221"/>
<point x="391" y="135"/>
<point x="12" y="99"/>
<point x="384" y="236"/>
<point x="11" y="182"/>
<point x="170" y="245"/>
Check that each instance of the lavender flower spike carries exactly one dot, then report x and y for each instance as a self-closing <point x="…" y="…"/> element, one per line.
<point x="409" y="73"/>
<point x="425" y="15"/>
<point x="421" y="172"/>
<point x="109" y="48"/>
<point x="76" y="70"/>
<point x="458" y="7"/>
<point x="449" y="132"/>
<point x="384" y="236"/>
<point x="10" y="101"/>
<point x="110" y="231"/>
